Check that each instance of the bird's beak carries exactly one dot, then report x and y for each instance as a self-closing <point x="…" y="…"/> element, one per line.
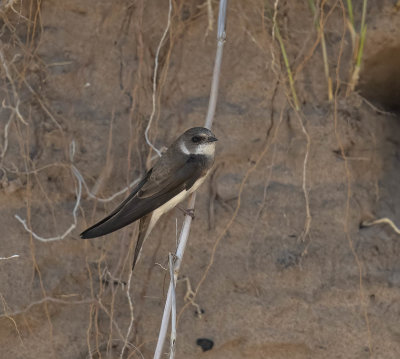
<point x="212" y="139"/>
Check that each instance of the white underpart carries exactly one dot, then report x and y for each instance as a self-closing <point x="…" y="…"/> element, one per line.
<point x="207" y="149"/>
<point x="167" y="206"/>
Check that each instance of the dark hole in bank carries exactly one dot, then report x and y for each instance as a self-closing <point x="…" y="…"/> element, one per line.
<point x="380" y="79"/>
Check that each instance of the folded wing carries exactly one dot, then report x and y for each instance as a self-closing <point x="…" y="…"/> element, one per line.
<point x="146" y="197"/>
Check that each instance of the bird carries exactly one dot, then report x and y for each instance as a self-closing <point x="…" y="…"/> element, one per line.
<point x="180" y="171"/>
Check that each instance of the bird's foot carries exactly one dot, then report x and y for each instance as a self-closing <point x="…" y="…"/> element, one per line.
<point x="189" y="212"/>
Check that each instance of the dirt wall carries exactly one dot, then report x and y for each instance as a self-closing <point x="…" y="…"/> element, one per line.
<point x="277" y="258"/>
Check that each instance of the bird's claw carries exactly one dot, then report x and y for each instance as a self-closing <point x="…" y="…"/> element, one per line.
<point x="189" y="212"/>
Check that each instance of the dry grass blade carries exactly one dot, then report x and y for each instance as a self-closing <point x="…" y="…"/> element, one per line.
<point x="9" y="257"/>
<point x="319" y="25"/>
<point x="358" y="44"/>
<point x="384" y="220"/>
<point x="276" y="33"/>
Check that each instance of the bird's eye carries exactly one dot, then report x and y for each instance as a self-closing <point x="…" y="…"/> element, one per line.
<point x="196" y="139"/>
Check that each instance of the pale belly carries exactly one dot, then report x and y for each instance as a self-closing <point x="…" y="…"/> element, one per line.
<point x="179" y="198"/>
<point x="157" y="213"/>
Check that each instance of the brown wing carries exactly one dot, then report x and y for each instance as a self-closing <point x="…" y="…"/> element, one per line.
<point x="154" y="192"/>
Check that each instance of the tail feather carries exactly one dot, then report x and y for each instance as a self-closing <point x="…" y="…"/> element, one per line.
<point x="123" y="215"/>
<point x="145" y="226"/>
<point x="105" y="227"/>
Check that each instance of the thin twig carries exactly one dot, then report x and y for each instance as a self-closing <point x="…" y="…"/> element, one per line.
<point x="190" y="296"/>
<point x="7" y="4"/>
<point x="15" y="93"/>
<point x="307" y="223"/>
<point x="107" y="199"/>
<point x="6" y="127"/>
<point x="378" y="110"/>
<point x="210" y="17"/>
<point x="15" y="111"/>
<point x="128" y="332"/>
<point x="11" y="319"/>
<point x="146" y="133"/>
<point x="78" y="192"/>
<point x="45" y="300"/>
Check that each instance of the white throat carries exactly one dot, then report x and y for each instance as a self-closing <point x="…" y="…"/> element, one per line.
<point x="206" y="149"/>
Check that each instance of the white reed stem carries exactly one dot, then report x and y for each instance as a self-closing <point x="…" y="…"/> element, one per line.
<point x="179" y="255"/>
<point x="183" y="238"/>
<point x="173" y="307"/>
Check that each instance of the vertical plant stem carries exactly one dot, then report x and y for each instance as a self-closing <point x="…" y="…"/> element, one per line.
<point x="287" y="65"/>
<point x="179" y="256"/>
<point x="363" y="33"/>
<point x="173" y="306"/>
<point x="326" y="65"/>
<point x="350" y="10"/>
<point x="361" y="47"/>
<point x="312" y="6"/>
<point x="320" y="29"/>
<point x="184" y="236"/>
<point x="358" y="50"/>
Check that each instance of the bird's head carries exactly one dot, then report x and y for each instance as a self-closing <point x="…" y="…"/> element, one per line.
<point x="197" y="141"/>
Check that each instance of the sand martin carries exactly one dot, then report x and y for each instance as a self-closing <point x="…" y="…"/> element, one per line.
<point x="176" y="174"/>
